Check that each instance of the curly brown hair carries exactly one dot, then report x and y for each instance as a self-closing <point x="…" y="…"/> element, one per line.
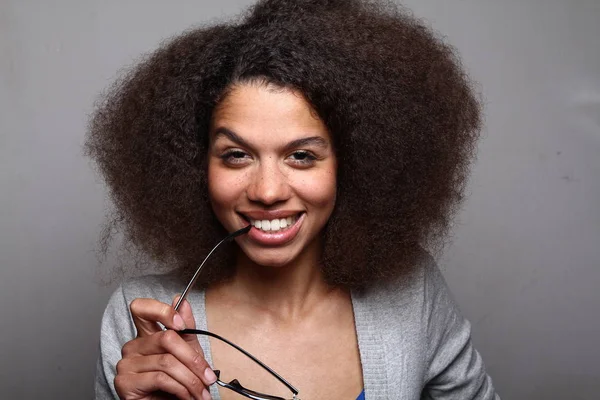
<point x="403" y="115"/>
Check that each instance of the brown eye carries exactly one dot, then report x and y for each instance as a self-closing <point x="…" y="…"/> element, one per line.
<point x="235" y="157"/>
<point x="302" y="157"/>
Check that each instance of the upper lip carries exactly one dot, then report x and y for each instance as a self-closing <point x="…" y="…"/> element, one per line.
<point x="268" y="215"/>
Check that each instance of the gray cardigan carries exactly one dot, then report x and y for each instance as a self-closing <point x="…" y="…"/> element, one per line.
<point x="413" y="341"/>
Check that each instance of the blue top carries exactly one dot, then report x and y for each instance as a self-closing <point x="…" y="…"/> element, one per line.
<point x="361" y="396"/>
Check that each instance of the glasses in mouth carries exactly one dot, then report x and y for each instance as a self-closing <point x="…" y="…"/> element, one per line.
<point x="234" y="384"/>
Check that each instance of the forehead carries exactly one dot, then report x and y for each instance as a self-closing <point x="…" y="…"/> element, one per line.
<point x="257" y="111"/>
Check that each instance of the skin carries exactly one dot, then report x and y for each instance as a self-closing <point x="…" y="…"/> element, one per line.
<point x="268" y="152"/>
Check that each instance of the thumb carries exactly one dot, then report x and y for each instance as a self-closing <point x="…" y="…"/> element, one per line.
<point x="185" y="311"/>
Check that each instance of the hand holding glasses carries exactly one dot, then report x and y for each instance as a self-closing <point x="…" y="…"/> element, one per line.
<point x="234" y="384"/>
<point x="161" y="363"/>
<point x="171" y="360"/>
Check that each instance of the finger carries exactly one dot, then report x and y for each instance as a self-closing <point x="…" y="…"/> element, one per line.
<point x="168" y="364"/>
<point x="137" y="386"/>
<point x="147" y="312"/>
<point x="171" y="342"/>
<point x="185" y="310"/>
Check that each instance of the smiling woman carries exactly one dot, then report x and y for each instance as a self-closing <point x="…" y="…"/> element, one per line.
<point x="338" y="134"/>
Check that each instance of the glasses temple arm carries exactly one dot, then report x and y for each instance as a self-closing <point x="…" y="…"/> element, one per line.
<point x="256" y="360"/>
<point x="197" y="273"/>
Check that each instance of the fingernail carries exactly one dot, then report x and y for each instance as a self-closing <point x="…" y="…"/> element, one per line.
<point x="178" y="322"/>
<point x="206" y="395"/>
<point x="210" y="376"/>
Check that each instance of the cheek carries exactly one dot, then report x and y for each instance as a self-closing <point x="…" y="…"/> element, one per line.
<point x="224" y="187"/>
<point x="319" y="190"/>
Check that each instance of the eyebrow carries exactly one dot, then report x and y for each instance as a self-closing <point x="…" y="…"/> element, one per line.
<point x="231" y="135"/>
<point x="302" y="142"/>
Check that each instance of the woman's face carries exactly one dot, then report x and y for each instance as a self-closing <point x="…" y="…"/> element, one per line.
<point x="271" y="164"/>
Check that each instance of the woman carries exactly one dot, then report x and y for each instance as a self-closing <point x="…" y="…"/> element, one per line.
<point x="340" y="131"/>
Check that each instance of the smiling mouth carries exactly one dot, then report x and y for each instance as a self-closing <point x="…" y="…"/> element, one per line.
<point x="273" y="225"/>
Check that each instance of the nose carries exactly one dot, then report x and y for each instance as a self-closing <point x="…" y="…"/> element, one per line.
<point x="268" y="184"/>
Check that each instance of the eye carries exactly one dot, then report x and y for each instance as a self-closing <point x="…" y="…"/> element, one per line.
<point x="235" y="157"/>
<point x="302" y="158"/>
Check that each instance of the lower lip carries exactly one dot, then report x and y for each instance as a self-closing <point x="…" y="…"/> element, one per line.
<point x="276" y="238"/>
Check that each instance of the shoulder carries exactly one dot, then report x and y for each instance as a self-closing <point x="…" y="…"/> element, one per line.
<point x="412" y="289"/>
<point x="411" y="309"/>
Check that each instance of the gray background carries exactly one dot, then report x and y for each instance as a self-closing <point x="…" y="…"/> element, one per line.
<point x="524" y="262"/>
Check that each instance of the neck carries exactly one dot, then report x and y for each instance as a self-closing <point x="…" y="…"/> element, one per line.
<point x="288" y="291"/>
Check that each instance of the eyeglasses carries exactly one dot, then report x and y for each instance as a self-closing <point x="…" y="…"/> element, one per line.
<point x="234" y="385"/>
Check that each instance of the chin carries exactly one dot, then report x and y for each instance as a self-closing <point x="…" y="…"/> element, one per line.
<point x="266" y="260"/>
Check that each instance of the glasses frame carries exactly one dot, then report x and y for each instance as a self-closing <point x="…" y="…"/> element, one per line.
<point x="234" y="385"/>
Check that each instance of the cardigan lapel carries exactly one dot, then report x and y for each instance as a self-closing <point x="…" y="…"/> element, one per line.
<point x="371" y="348"/>
<point x="201" y="323"/>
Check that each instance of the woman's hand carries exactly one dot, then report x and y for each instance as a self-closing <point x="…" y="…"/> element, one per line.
<point x="162" y="361"/>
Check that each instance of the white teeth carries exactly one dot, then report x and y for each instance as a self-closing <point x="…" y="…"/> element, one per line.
<point x="275" y="224"/>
